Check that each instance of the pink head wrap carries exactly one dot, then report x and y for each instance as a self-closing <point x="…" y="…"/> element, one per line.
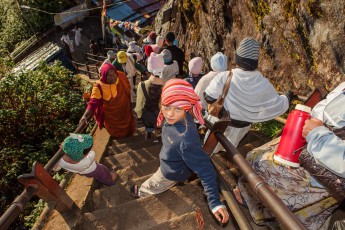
<point x="180" y="93"/>
<point x="105" y="68"/>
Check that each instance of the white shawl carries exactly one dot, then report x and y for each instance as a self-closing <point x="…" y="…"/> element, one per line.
<point x="251" y="97"/>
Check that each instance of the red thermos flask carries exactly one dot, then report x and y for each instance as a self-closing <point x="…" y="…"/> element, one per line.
<point x="291" y="141"/>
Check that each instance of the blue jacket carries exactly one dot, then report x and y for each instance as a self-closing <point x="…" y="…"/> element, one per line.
<point x="182" y="153"/>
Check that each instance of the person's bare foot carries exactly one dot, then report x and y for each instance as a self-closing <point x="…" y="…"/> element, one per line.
<point x="237" y="194"/>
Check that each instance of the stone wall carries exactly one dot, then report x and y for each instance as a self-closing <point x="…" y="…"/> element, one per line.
<point x="302" y="42"/>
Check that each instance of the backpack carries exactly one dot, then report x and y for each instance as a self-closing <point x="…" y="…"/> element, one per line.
<point x="151" y="108"/>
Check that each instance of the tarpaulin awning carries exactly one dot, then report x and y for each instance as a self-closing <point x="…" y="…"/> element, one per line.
<point x="135" y="10"/>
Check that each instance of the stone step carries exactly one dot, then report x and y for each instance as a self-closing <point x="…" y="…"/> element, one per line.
<point x="247" y="147"/>
<point x="119" y="148"/>
<point x="146" y="152"/>
<point x="188" y="220"/>
<point x="222" y="162"/>
<point x="135" y="171"/>
<point x="144" y="212"/>
<point x="115" y="195"/>
<point x="135" y="138"/>
<point x="184" y="222"/>
<point x="132" y="157"/>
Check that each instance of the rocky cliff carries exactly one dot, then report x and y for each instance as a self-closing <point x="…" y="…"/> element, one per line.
<point x="302" y="42"/>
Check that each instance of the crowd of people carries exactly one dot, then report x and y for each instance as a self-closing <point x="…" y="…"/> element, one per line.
<point x="173" y="102"/>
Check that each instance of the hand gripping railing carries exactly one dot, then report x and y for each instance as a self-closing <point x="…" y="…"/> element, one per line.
<point x="285" y="217"/>
<point x="41" y="183"/>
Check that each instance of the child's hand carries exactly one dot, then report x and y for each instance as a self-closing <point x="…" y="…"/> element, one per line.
<point x="222" y="215"/>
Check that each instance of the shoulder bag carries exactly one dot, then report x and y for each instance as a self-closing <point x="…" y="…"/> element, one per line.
<point x="215" y="108"/>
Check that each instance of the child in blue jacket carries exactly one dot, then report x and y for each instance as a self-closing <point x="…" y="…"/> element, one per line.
<point x="182" y="151"/>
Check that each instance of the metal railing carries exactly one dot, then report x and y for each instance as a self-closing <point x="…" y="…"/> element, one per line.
<point x="36" y="183"/>
<point x="285" y="217"/>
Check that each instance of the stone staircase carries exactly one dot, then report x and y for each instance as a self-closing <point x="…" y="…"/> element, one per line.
<point x="135" y="159"/>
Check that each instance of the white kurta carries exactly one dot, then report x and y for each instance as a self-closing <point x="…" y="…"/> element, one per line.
<point x="77" y="36"/>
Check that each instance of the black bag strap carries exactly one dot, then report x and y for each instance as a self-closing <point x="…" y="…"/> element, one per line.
<point x="143" y="87"/>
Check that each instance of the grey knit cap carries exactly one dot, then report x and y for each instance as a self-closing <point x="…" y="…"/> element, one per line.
<point x="247" y="54"/>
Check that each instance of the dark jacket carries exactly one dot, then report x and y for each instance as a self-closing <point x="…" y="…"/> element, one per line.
<point x="177" y="55"/>
<point x="194" y="80"/>
<point x="182" y="154"/>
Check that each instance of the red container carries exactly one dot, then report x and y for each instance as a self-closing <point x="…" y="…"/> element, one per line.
<point x="291" y="140"/>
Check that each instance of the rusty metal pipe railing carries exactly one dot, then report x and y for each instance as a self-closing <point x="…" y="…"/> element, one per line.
<point x="236" y="211"/>
<point x="21" y="201"/>
<point x="285" y="217"/>
<point x="47" y="210"/>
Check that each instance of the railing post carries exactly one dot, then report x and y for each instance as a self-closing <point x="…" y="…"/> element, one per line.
<point x="88" y="71"/>
<point x="76" y="66"/>
<point x="212" y="141"/>
<point x="47" y="188"/>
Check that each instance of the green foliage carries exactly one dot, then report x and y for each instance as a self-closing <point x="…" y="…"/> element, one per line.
<point x="269" y="128"/>
<point x="37" y="111"/>
<point x="17" y="24"/>
<point x="37" y="209"/>
<point x="12" y="27"/>
<point x="5" y="65"/>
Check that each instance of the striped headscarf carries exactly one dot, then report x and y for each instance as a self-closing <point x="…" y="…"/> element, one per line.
<point x="180" y="93"/>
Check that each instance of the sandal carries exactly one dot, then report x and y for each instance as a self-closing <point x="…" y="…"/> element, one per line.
<point x="135" y="191"/>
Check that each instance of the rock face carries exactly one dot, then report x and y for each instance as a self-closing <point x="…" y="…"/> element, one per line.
<point x="302" y="42"/>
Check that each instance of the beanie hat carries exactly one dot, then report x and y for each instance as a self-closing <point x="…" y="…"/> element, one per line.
<point x="122" y="57"/>
<point x="156" y="48"/>
<point x="152" y="37"/>
<point x="167" y="57"/>
<point x="160" y="41"/>
<point x="219" y="62"/>
<point x="110" y="54"/>
<point x="75" y="144"/>
<point x="155" y="64"/>
<point x="195" y="65"/>
<point x="170" y="36"/>
<point x="179" y="93"/>
<point x="247" y="54"/>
